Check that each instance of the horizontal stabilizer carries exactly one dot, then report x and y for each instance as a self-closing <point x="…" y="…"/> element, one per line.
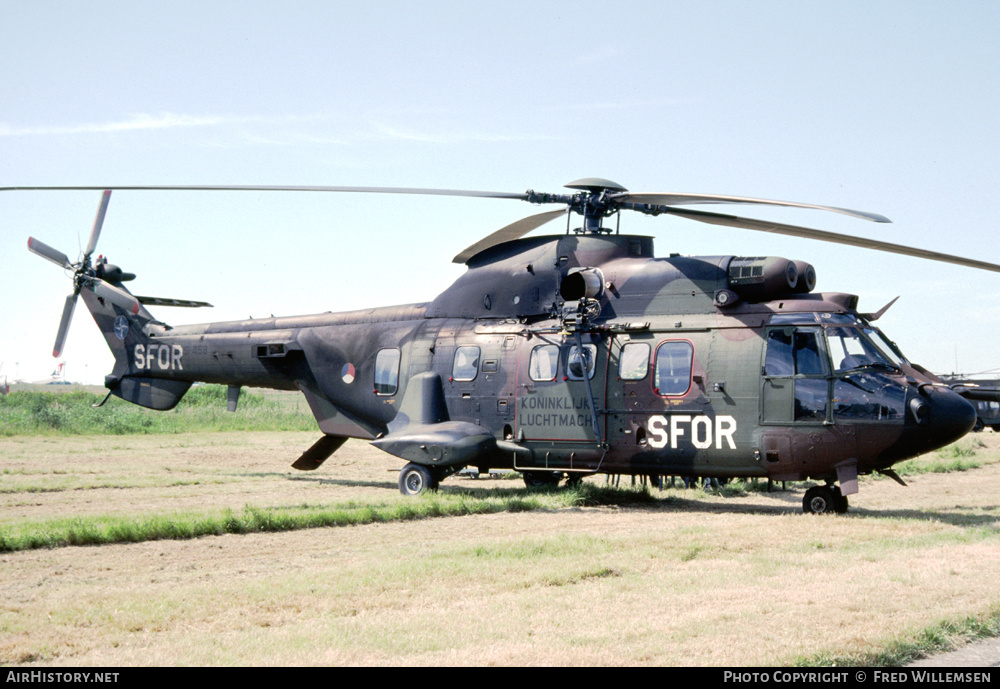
<point x="162" y="301"/>
<point x="152" y="393"/>
<point x="422" y="432"/>
<point x="449" y="443"/>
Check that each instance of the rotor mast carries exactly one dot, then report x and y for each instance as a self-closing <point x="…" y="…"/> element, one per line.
<point x="593" y="203"/>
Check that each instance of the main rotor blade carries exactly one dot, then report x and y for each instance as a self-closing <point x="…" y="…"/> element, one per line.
<point x="67" y="317"/>
<point x="515" y="230"/>
<point x="47" y="252"/>
<point x="681" y="199"/>
<point x="98" y="223"/>
<point x="256" y="187"/>
<point x="796" y="231"/>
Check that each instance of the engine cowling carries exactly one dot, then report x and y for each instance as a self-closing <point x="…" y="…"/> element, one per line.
<point x="584" y="283"/>
<point x="768" y="277"/>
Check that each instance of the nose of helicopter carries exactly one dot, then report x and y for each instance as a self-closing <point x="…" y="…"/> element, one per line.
<point x="942" y="415"/>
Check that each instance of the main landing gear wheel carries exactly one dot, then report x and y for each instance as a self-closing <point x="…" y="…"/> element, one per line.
<point x="573" y="480"/>
<point x="414" y="479"/>
<point x="824" y="500"/>
<point x="541" y="479"/>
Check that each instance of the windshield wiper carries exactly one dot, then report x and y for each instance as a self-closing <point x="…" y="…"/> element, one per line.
<point x="878" y="364"/>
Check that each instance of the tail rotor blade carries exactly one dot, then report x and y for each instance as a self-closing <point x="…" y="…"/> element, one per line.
<point x="83" y="276"/>
<point x="116" y="296"/>
<point x="67" y="316"/>
<point x="47" y="252"/>
<point x="98" y="222"/>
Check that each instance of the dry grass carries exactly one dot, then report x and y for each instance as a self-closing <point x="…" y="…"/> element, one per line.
<point x="695" y="580"/>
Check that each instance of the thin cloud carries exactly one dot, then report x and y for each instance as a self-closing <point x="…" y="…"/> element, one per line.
<point x="144" y="122"/>
<point x="274" y="137"/>
<point x="385" y="131"/>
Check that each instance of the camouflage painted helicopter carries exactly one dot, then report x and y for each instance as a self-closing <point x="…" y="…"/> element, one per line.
<point x="567" y="355"/>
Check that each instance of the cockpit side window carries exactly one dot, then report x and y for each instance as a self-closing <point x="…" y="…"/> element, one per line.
<point x="794" y="351"/>
<point x="779" y="360"/>
<point x="798" y="356"/>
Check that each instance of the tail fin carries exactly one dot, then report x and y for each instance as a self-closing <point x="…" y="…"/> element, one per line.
<point x="126" y="330"/>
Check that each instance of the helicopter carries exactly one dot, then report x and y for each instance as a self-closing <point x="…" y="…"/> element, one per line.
<point x="562" y="356"/>
<point x="984" y="392"/>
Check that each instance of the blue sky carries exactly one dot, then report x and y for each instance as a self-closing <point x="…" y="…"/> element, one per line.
<point x="889" y="107"/>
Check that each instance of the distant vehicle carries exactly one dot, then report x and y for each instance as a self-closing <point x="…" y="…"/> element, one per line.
<point x="984" y="393"/>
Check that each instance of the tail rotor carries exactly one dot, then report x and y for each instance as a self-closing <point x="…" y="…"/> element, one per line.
<point x="84" y="275"/>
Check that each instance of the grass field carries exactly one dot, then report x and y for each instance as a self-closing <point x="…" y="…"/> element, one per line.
<point x="484" y="573"/>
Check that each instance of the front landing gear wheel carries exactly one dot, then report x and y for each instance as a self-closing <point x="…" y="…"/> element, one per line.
<point x="414" y="479"/>
<point x="819" y="500"/>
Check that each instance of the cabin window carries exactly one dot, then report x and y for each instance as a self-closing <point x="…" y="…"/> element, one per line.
<point x="672" y="371"/>
<point x="633" y="362"/>
<point x="544" y="362"/>
<point x="387" y="371"/>
<point x="578" y="362"/>
<point x="466" y="364"/>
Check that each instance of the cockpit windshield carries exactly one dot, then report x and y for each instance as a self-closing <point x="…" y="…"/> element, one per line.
<point x="852" y="342"/>
<point x="851" y="349"/>
<point x="885" y="345"/>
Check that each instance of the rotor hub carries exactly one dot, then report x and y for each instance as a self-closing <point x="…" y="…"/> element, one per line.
<point x="595" y="185"/>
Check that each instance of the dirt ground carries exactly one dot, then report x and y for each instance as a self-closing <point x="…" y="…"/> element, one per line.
<point x="697" y="579"/>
